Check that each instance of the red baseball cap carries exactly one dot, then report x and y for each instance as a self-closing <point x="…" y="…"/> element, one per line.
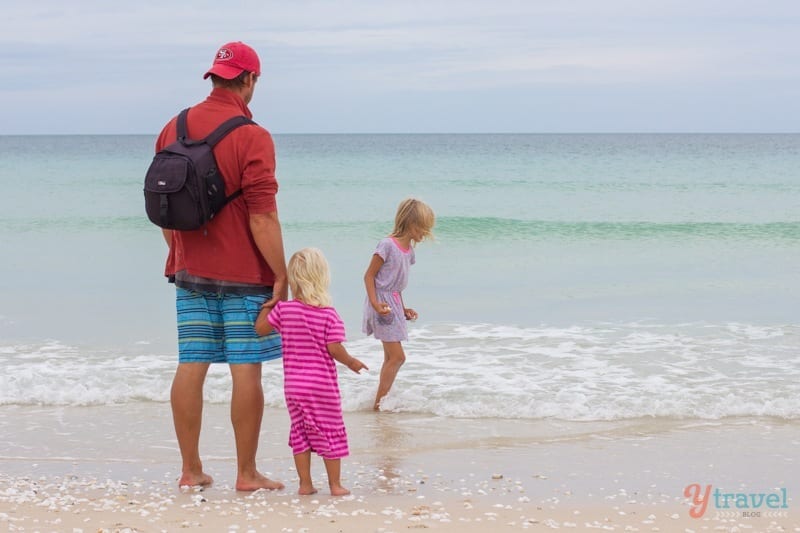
<point x="232" y="59"/>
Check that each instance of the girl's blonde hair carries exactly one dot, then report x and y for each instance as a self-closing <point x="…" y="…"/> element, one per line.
<point x="413" y="214"/>
<point x="309" y="277"/>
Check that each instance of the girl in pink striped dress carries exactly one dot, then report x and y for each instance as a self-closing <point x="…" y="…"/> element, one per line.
<point x="312" y="334"/>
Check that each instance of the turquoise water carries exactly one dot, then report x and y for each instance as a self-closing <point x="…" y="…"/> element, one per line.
<point x="564" y="250"/>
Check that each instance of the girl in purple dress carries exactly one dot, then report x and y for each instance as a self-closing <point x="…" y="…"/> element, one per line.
<point x="312" y="334"/>
<point x="385" y="314"/>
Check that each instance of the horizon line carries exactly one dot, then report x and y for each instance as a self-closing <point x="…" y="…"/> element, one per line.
<point x="447" y="133"/>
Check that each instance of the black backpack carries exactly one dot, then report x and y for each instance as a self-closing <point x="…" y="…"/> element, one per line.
<point x="183" y="188"/>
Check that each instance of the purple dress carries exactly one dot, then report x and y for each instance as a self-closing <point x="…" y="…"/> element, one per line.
<point x="390" y="281"/>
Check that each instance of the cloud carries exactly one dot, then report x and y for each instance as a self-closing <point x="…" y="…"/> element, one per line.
<point x="354" y="51"/>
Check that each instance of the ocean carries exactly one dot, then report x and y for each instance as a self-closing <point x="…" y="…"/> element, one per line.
<point x="572" y="277"/>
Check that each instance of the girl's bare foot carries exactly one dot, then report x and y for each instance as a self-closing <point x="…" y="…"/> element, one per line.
<point x="306" y="490"/>
<point x="258" y="481"/>
<point x="338" y="490"/>
<point x="189" y="479"/>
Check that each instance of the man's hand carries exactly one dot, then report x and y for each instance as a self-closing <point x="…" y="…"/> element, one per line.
<point x="280" y="292"/>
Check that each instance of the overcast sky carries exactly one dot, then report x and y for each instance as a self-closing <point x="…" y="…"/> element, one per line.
<point x="95" y="66"/>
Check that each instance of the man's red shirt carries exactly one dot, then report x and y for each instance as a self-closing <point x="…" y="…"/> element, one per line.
<point x="224" y="249"/>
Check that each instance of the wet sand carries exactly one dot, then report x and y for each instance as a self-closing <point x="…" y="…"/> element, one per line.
<point x="114" y="468"/>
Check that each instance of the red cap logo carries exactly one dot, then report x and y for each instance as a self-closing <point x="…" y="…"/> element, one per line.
<point x="234" y="58"/>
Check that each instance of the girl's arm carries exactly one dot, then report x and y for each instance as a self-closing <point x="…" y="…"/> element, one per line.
<point x="339" y="353"/>
<point x="375" y="265"/>
<point x="409" y="313"/>
<point x="262" y="325"/>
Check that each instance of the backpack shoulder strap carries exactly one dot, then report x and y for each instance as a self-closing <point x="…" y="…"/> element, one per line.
<point x="181" y="124"/>
<point x="225" y="128"/>
<point x="217" y="135"/>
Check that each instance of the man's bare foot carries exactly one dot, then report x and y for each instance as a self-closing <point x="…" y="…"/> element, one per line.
<point x="189" y="479"/>
<point x="257" y="482"/>
<point x="338" y="490"/>
<point x="306" y="491"/>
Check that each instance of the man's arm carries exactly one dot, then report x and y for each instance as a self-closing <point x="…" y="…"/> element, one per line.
<point x="266" y="230"/>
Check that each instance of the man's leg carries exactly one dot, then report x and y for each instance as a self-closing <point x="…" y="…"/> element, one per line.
<point x="247" y="409"/>
<point x="186" y="398"/>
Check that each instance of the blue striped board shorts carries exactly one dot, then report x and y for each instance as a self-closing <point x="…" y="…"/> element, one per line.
<point x="218" y="328"/>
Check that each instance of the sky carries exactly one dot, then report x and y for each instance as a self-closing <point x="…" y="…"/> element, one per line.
<point x="406" y="66"/>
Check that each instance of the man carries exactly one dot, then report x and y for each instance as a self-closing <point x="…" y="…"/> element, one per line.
<point x="225" y="271"/>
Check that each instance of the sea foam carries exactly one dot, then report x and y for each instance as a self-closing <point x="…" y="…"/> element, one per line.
<point x="590" y="372"/>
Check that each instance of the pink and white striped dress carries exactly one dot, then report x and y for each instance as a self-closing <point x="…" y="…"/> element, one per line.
<point x="310" y="379"/>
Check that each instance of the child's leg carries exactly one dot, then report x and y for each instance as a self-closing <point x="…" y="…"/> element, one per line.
<point x="393" y="359"/>
<point x="334" y="469"/>
<point x="302" y="461"/>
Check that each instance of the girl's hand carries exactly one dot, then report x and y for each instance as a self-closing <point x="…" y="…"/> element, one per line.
<point x="382" y="308"/>
<point x="356" y="366"/>
<point x="410" y="314"/>
<point x="262" y="325"/>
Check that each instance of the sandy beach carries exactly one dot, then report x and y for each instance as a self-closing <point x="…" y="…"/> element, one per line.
<point x="114" y="468"/>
